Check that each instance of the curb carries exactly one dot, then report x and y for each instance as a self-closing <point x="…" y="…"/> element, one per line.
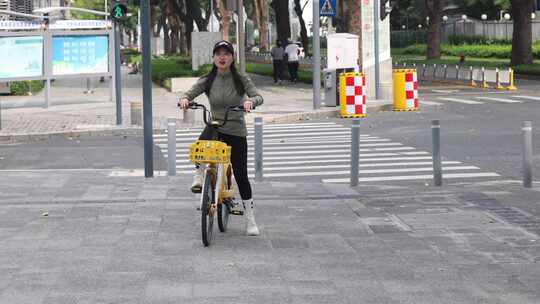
<point x="127" y="131"/>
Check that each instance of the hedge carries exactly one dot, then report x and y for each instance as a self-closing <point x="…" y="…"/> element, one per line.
<point x="465" y="39"/>
<point x="477" y="51"/>
<point x="26" y="87"/>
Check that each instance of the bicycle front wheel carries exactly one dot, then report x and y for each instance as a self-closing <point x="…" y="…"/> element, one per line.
<point x="207" y="209"/>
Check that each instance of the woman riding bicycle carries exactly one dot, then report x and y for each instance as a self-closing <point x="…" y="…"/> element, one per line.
<point x="225" y="86"/>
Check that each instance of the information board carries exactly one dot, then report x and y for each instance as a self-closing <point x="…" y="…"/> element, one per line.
<point x="21" y="56"/>
<point x="80" y="55"/>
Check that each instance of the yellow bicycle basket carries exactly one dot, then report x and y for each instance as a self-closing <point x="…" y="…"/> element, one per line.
<point x="209" y="151"/>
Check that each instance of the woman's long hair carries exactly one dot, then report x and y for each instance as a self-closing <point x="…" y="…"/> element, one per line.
<point x="238" y="84"/>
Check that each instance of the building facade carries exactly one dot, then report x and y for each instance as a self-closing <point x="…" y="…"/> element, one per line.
<point x="19" y="6"/>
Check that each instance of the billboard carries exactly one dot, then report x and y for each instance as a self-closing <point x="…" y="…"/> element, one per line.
<point x="80" y="55"/>
<point x="21" y="56"/>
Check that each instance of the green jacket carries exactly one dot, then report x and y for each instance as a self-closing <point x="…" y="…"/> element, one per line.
<point x="223" y="94"/>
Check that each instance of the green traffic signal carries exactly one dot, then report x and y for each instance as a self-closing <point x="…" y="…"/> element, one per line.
<point x="119" y="11"/>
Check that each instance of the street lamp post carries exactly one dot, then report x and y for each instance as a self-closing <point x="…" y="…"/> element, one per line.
<point x="464" y="18"/>
<point x="506" y="18"/>
<point x="484" y="18"/>
<point x="444" y="19"/>
<point x="147" y="90"/>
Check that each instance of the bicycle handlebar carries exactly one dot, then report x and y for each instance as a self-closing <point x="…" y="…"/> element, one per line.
<point x="193" y="105"/>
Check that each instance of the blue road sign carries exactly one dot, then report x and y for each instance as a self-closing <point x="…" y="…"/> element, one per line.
<point x="328" y="8"/>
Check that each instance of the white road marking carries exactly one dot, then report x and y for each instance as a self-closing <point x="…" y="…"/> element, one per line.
<point x="326" y="156"/>
<point x="527" y="97"/>
<point x="430" y="103"/>
<point x="411" y="177"/>
<point x="466" y="101"/>
<point x="506" y="100"/>
<point x="251" y="148"/>
<point x="377" y="171"/>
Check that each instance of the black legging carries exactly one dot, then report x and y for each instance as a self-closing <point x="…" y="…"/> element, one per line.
<point x="293" y="70"/>
<point x="239" y="151"/>
<point x="278" y="70"/>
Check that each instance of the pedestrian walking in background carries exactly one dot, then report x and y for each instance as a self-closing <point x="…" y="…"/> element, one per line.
<point x="278" y="54"/>
<point x="292" y="52"/>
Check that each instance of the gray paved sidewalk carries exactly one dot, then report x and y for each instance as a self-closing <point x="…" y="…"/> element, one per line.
<point x="133" y="240"/>
<point x="72" y="110"/>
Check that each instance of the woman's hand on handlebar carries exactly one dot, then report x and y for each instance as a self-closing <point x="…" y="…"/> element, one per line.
<point x="183" y="103"/>
<point x="248" y="105"/>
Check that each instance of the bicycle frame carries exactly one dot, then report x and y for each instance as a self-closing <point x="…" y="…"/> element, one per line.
<point x="221" y="171"/>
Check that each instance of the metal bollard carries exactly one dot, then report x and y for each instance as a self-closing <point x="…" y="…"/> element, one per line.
<point x="435" y="71"/>
<point x="484" y="82"/>
<point x="511" y="87"/>
<point x="498" y="85"/>
<point x="527" y="154"/>
<point x="88" y="87"/>
<point x="423" y="70"/>
<point x="445" y="71"/>
<point x="136" y="113"/>
<point x="355" y="151"/>
<point x="457" y="72"/>
<point x="437" y="168"/>
<point x="473" y="84"/>
<point x="258" y="149"/>
<point x="171" y="146"/>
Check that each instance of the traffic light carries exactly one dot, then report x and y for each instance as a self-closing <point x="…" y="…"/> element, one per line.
<point x="119" y="11"/>
<point x="385" y="8"/>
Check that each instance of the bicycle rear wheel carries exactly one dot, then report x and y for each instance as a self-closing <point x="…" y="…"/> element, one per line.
<point x="207" y="209"/>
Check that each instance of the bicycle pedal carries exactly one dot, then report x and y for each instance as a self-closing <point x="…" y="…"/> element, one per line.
<point x="236" y="212"/>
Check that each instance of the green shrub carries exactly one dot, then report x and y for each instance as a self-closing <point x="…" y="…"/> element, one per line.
<point x="503" y="51"/>
<point x="26" y="87"/>
<point x="528" y="69"/>
<point x="465" y="39"/>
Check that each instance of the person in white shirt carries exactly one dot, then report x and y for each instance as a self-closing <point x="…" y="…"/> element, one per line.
<point x="292" y="52"/>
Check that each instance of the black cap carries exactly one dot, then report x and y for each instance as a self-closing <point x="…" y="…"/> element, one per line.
<point x="223" y="45"/>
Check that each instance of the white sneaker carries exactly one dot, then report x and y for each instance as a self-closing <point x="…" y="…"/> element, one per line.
<point x="196" y="186"/>
<point x="251" y="225"/>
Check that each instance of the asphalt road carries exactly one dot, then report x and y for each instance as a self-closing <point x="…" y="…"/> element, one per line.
<point x="487" y="134"/>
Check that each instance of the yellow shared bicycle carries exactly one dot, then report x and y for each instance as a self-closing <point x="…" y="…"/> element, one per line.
<point x="217" y="195"/>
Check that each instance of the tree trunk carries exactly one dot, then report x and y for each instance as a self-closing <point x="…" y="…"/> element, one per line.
<point x="174" y="41"/>
<point x="434" y="11"/>
<point x="225" y="19"/>
<point x="193" y="8"/>
<point x="281" y="9"/>
<point x="166" y="39"/>
<point x="522" y="36"/>
<point x="262" y="7"/>
<point x="303" y="31"/>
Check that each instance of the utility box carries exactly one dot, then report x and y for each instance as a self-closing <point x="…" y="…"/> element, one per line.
<point x="330" y="88"/>
<point x="4" y="88"/>
<point x="342" y="51"/>
<point x="331" y="85"/>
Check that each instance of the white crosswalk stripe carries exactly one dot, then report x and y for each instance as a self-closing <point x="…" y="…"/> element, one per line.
<point x="527" y="97"/>
<point x="506" y="100"/>
<point x="466" y="101"/>
<point x="493" y="98"/>
<point x="321" y="151"/>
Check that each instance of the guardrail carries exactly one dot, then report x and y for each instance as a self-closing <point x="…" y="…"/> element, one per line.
<point x="500" y="79"/>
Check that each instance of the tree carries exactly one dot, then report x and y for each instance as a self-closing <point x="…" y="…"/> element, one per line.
<point x="224" y="17"/>
<point x="351" y="21"/>
<point x="281" y="9"/>
<point x="261" y="8"/>
<point x="434" y="10"/>
<point x="522" y="36"/>
<point x="298" y="9"/>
